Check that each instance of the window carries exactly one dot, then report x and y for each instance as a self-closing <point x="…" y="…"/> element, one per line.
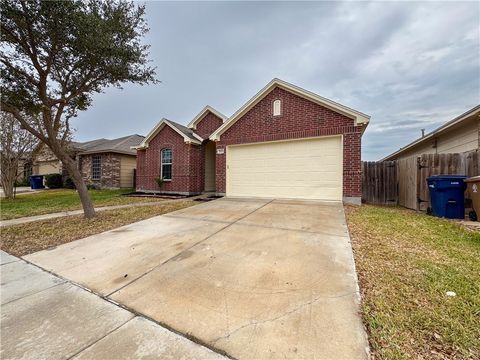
<point x="277" y="108"/>
<point x="166" y="165"/>
<point x="96" y="167"/>
<point x="27" y="170"/>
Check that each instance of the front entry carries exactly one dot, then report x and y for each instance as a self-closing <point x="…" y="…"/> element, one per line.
<point x="210" y="166"/>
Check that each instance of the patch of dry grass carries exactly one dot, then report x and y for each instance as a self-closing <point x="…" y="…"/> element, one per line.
<point x="27" y="238"/>
<point x="406" y="262"/>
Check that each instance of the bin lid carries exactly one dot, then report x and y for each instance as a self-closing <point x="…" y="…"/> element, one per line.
<point x="473" y="179"/>
<point x="447" y="177"/>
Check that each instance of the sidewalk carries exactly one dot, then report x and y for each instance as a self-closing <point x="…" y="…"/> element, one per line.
<point x="22" y="190"/>
<point x="47" y="317"/>
<point x="24" y="220"/>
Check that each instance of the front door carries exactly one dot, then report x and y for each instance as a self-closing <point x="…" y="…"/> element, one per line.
<point x="210" y="166"/>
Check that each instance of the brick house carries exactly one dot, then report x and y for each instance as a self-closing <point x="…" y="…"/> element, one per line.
<point x="285" y="142"/>
<point x="103" y="163"/>
<point x="108" y="163"/>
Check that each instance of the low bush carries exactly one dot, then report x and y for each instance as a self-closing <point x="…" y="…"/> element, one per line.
<point x="53" y="181"/>
<point x="22" y="182"/>
<point x="160" y="181"/>
<point x="68" y="183"/>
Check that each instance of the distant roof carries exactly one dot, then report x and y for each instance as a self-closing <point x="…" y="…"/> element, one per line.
<point x="459" y="119"/>
<point x="121" y="145"/>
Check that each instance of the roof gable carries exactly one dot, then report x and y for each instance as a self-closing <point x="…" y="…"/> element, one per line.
<point x="330" y="104"/>
<point x="201" y="115"/>
<point x="188" y="135"/>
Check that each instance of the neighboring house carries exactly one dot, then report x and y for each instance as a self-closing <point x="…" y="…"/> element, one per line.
<point x="45" y="162"/>
<point x="459" y="135"/>
<point x="24" y="169"/>
<point x="285" y="142"/>
<point x="103" y="163"/>
<point x="108" y="163"/>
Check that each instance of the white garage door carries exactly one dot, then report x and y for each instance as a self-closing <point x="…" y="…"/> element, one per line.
<point x="297" y="169"/>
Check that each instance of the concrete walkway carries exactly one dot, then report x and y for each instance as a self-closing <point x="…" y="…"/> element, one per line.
<point x="24" y="220"/>
<point x="47" y="317"/>
<point x="23" y="190"/>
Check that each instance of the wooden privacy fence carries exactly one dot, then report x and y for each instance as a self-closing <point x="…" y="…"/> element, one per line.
<point x="443" y="164"/>
<point x="404" y="181"/>
<point x="407" y="182"/>
<point x="379" y="182"/>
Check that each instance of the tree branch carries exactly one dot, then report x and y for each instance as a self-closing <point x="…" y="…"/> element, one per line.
<point x="31" y="40"/>
<point x="16" y="113"/>
<point x="20" y="72"/>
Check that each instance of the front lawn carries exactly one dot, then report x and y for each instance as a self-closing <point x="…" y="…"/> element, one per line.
<point x="50" y="201"/>
<point x="27" y="238"/>
<point x="406" y="262"/>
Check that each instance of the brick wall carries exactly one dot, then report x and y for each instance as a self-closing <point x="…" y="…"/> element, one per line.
<point x="300" y="118"/>
<point x="187" y="164"/>
<point x="208" y="125"/>
<point x="110" y="173"/>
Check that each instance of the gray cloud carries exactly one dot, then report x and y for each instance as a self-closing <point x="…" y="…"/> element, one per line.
<point x="410" y="65"/>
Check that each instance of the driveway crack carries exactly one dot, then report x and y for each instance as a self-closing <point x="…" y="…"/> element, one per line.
<point x="301" y="306"/>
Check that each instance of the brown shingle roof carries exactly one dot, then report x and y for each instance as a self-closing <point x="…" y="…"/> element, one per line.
<point x="121" y="145"/>
<point x="185" y="130"/>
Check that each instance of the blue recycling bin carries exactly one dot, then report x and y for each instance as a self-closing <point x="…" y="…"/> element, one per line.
<point x="447" y="196"/>
<point x="36" y="182"/>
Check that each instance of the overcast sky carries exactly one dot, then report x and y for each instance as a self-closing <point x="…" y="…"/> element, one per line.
<point x="410" y="65"/>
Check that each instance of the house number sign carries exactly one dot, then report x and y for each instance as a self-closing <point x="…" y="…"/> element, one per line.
<point x="220" y="151"/>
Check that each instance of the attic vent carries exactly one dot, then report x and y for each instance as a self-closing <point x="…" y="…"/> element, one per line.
<point x="277" y="108"/>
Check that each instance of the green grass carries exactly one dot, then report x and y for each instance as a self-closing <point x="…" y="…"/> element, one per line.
<point x="406" y="262"/>
<point x="50" y="201"/>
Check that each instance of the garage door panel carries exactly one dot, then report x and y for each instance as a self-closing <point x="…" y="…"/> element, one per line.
<point x="305" y="169"/>
<point x="296" y="192"/>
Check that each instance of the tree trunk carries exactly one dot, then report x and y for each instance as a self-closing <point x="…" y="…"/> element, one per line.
<point x="71" y="165"/>
<point x="9" y="167"/>
<point x="7" y="184"/>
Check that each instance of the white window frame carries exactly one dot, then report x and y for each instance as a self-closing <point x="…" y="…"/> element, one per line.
<point x="170" y="163"/>
<point x="99" y="157"/>
<point x="277" y="107"/>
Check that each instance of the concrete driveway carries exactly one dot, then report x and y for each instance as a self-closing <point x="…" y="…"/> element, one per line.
<point x="45" y="317"/>
<point x="253" y="278"/>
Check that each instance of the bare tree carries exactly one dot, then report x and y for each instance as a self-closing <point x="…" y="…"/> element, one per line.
<point x="15" y="145"/>
<point x="57" y="54"/>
